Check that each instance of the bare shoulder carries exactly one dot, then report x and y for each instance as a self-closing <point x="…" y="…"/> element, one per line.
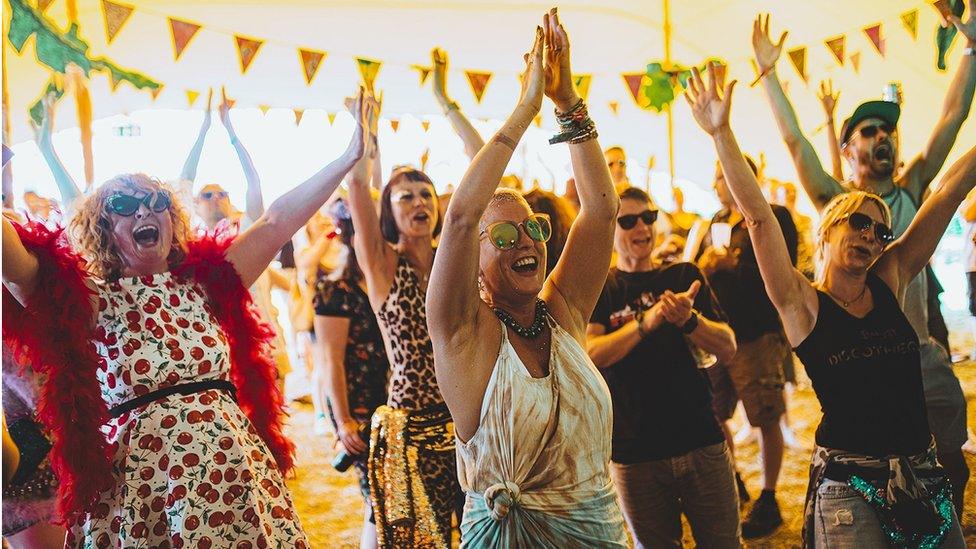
<point x="568" y="317"/>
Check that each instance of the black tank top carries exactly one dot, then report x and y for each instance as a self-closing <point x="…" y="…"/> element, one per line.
<point x="867" y="375"/>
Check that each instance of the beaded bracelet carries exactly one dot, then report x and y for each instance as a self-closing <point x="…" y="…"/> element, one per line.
<point x="575" y="124"/>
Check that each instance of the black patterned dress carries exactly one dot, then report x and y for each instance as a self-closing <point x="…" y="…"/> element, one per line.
<point x="367" y="369"/>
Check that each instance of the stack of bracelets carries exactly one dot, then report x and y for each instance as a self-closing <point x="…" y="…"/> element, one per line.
<point x="576" y="125"/>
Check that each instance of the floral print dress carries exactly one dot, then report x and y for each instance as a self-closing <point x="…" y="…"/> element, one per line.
<point x="191" y="470"/>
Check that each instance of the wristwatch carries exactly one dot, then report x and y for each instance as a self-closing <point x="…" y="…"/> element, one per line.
<point x="691" y="324"/>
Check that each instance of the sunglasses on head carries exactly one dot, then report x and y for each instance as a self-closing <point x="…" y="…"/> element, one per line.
<point x="210" y="194"/>
<point x="862" y="222"/>
<point x="628" y="222"/>
<point x="504" y="235"/>
<point x="126" y="204"/>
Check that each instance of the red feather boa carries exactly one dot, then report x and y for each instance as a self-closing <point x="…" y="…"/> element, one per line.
<point x="54" y="334"/>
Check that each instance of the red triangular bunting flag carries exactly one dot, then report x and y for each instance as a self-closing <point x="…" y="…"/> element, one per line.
<point x="478" y="82"/>
<point x="874" y="34"/>
<point x="836" y="47"/>
<point x="395" y="124"/>
<point x="191" y="97"/>
<point x="614" y="107"/>
<point x="856" y="61"/>
<point x="798" y="56"/>
<point x="182" y="32"/>
<point x="311" y="60"/>
<point x="633" y="81"/>
<point x="910" y="20"/>
<point x="115" y="17"/>
<point x="423" y="71"/>
<point x="43" y="5"/>
<point x="299" y="113"/>
<point x="368" y="69"/>
<point x="247" y="48"/>
<point x="331" y="116"/>
<point x="425" y="124"/>
<point x="155" y="91"/>
<point x="264" y="108"/>
<point x="582" y="83"/>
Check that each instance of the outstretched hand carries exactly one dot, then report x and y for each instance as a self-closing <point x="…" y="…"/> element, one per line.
<point x="967" y="29"/>
<point x="558" y="74"/>
<point x="533" y="84"/>
<point x="709" y="105"/>
<point x="828" y="98"/>
<point x="362" y="112"/>
<point x="224" y="108"/>
<point x="438" y="59"/>
<point x="767" y="53"/>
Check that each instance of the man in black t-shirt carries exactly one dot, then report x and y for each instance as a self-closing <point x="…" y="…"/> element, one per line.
<point x="755" y="375"/>
<point x="650" y="329"/>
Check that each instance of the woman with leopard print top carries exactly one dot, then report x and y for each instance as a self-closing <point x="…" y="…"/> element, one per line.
<point x="413" y="485"/>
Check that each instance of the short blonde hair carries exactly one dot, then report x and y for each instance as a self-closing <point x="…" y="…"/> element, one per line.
<point x="90" y="229"/>
<point x="836" y="211"/>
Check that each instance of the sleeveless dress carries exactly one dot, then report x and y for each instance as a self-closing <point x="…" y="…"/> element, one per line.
<point x="536" y="472"/>
<point x="415" y="431"/>
<point x="191" y="470"/>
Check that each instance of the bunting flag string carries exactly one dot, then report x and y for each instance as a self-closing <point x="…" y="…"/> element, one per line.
<point x="191" y="97"/>
<point x="311" y="60"/>
<point x="798" y="56"/>
<point x="368" y="69"/>
<point x="247" y="48"/>
<point x="423" y="71"/>
<point x="836" y="47"/>
<point x="182" y="32"/>
<point x="910" y="20"/>
<point x="873" y="32"/>
<point x="582" y="83"/>
<point x="478" y="82"/>
<point x="116" y="15"/>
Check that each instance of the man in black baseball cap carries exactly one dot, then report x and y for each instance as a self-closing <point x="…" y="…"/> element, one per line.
<point x="869" y="143"/>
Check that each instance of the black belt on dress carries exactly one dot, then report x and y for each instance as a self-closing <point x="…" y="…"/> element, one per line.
<point x="181" y="388"/>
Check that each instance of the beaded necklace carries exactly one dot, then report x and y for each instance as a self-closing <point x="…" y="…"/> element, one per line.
<point x="531" y="332"/>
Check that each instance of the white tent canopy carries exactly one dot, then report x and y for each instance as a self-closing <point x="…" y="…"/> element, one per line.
<point x="609" y="38"/>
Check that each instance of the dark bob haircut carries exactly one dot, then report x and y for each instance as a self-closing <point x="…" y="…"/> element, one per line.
<point x="388" y="226"/>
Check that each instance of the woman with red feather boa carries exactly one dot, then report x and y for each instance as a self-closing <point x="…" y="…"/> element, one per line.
<point x="159" y="393"/>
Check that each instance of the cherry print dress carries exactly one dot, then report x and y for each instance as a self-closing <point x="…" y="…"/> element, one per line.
<point x="191" y="470"/>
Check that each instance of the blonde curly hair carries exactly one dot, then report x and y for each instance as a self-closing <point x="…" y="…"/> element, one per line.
<point x="90" y="229"/>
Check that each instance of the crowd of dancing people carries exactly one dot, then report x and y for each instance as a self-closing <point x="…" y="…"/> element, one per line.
<point x="532" y="370"/>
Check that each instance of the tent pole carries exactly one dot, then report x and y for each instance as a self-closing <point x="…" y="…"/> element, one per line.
<point x="670" y="112"/>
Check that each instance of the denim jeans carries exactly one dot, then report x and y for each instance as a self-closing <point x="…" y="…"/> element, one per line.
<point x="700" y="484"/>
<point x="844" y="519"/>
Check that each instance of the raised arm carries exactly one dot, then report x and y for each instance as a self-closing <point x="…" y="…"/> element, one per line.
<point x="828" y="98"/>
<point x="453" y="299"/>
<point x="955" y="109"/>
<point x="577" y="279"/>
<point x="19" y="265"/>
<point x="462" y="126"/>
<point x="70" y="192"/>
<point x="910" y="253"/>
<point x="789" y="291"/>
<point x="254" y="249"/>
<point x="189" y="172"/>
<point x="820" y="186"/>
<point x="253" y="200"/>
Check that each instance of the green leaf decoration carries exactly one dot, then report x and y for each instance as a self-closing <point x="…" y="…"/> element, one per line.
<point x="662" y="86"/>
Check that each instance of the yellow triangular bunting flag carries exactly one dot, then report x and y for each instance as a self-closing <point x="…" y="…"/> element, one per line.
<point x="910" y="20"/>
<point x="299" y="113"/>
<point x="856" y="61"/>
<point x="799" y="58"/>
<point x="423" y="159"/>
<point x="368" y="69"/>
<point x="331" y="116"/>
<point x="182" y="32"/>
<point x="247" y="48"/>
<point x="191" y="97"/>
<point x="873" y="33"/>
<point x="395" y="124"/>
<point x="423" y="71"/>
<point x="264" y="108"/>
<point x="478" y="81"/>
<point x="614" y="107"/>
<point x="836" y="47"/>
<point x="115" y="17"/>
<point x="425" y="124"/>
<point x="155" y="91"/>
<point x="538" y="120"/>
<point x="311" y="60"/>
<point x="582" y="83"/>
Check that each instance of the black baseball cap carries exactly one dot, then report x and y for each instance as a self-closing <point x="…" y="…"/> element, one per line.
<point x="885" y="110"/>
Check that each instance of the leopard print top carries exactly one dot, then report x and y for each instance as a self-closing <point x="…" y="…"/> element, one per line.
<point x="403" y="320"/>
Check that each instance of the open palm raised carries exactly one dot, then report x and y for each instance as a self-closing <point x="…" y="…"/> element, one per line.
<point x="709" y="105"/>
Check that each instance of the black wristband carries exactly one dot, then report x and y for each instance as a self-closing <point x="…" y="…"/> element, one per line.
<point x="691" y="325"/>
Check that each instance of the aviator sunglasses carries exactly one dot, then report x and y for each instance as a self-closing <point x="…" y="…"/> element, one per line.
<point x="628" y="222"/>
<point x="210" y="194"/>
<point x="504" y="235"/>
<point x="862" y="222"/>
<point x="126" y="204"/>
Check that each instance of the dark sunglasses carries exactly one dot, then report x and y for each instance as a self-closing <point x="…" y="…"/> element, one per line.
<point x="871" y="131"/>
<point x="126" y="204"/>
<point x="504" y="235"/>
<point x="862" y="222"/>
<point x="210" y="194"/>
<point x="628" y="222"/>
<point x="621" y="163"/>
